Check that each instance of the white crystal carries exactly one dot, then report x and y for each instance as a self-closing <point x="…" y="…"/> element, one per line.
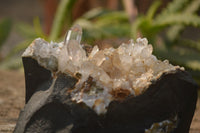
<point x="46" y="54"/>
<point x="130" y="67"/>
<point x="63" y="59"/>
<point x="76" y="53"/>
<point x="94" y="51"/>
<point x="98" y="58"/>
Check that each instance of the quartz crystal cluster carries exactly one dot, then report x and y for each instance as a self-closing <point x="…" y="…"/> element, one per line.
<point x="103" y="75"/>
<point x="45" y="53"/>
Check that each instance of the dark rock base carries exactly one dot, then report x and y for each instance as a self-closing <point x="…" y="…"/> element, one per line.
<point x="49" y="108"/>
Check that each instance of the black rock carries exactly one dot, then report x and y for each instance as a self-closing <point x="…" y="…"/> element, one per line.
<point x="49" y="108"/>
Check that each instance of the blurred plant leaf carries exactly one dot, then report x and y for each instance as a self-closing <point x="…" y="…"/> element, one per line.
<point x="179" y="18"/>
<point x="178" y="14"/>
<point x="26" y="30"/>
<point x="174" y="31"/>
<point x="152" y="10"/>
<point x="135" y="27"/>
<point x="116" y="31"/>
<point x="184" y="57"/>
<point x="94" y="13"/>
<point x="192" y="7"/>
<point x="19" y="47"/>
<point x="105" y="25"/>
<point x="38" y="29"/>
<point x="90" y="31"/>
<point x="189" y="44"/>
<point x="144" y="27"/>
<point x="12" y="63"/>
<point x="188" y="59"/>
<point x="173" y="7"/>
<point x="112" y="17"/>
<point x="149" y="27"/>
<point x="143" y="24"/>
<point x="63" y="13"/>
<point x="5" y="28"/>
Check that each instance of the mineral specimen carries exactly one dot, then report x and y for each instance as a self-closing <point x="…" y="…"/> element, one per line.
<point x="113" y="90"/>
<point x="114" y="73"/>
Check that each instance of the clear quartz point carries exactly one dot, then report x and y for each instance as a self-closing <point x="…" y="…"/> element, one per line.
<point x="75" y="33"/>
<point x="72" y="54"/>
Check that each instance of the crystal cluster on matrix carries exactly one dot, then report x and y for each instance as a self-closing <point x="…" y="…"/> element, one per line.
<point x="45" y="53"/>
<point x="104" y="75"/>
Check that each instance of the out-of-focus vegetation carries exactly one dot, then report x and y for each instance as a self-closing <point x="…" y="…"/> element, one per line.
<point x="5" y="28"/>
<point x="163" y="29"/>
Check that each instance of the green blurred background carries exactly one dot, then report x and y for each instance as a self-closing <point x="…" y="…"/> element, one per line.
<point x="171" y="26"/>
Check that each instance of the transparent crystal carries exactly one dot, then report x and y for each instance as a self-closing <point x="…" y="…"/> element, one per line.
<point x="72" y="54"/>
<point x="75" y="33"/>
<point x="98" y="58"/>
<point x="75" y="52"/>
<point x="94" y="51"/>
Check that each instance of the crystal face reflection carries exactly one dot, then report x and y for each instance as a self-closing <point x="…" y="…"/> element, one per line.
<point x="75" y="33"/>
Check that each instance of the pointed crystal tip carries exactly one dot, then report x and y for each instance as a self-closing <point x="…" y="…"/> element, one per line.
<point x="75" y="33"/>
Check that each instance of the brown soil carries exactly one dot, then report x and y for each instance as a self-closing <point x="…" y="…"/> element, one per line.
<point x="12" y="97"/>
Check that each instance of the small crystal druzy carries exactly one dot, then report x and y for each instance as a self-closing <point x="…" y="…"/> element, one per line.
<point x="103" y="75"/>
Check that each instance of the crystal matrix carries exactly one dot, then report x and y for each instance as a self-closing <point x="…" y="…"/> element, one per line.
<point x="104" y="75"/>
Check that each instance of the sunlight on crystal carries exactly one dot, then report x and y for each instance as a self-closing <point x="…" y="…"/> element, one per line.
<point x="75" y="33"/>
<point x="105" y="75"/>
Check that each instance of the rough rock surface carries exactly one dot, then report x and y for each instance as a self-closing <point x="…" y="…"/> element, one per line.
<point x="49" y="106"/>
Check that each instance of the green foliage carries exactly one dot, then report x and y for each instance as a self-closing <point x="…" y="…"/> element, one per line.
<point x="19" y="47"/>
<point x="25" y="30"/>
<point x="178" y="18"/>
<point x="173" y="7"/>
<point x="188" y="58"/>
<point x="12" y="63"/>
<point x="104" y="24"/>
<point x="170" y="22"/>
<point x="182" y="56"/>
<point x="194" y="45"/>
<point x="94" y="13"/>
<point x="63" y="13"/>
<point x="38" y="29"/>
<point x="30" y="33"/>
<point x="152" y="10"/>
<point x="62" y="18"/>
<point x="151" y="25"/>
<point x="5" y="28"/>
<point x="99" y="24"/>
<point x="174" y="31"/>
